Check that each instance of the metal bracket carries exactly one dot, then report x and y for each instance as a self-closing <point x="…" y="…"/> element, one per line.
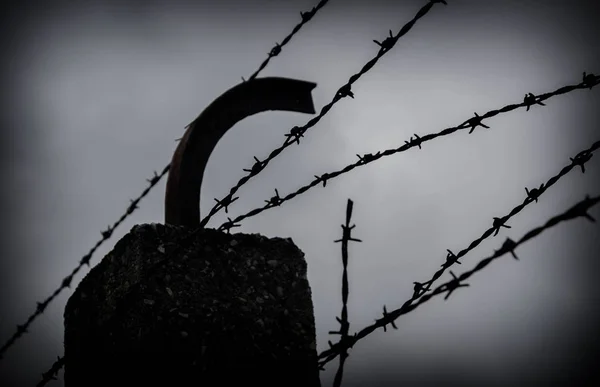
<point x="182" y="198"/>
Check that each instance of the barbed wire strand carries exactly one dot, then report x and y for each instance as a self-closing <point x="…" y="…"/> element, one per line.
<point x="52" y="372"/>
<point x="589" y="81"/>
<point x="421" y="287"/>
<point x="276" y="50"/>
<point x="297" y="132"/>
<point x="66" y="283"/>
<point x="343" y="319"/>
<point x="578" y="210"/>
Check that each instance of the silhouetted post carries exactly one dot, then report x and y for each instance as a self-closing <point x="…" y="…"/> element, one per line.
<point x="236" y="309"/>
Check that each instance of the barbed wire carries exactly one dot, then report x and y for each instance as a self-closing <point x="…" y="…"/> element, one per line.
<point x="420" y="288"/>
<point x="343" y="319"/>
<point x="297" y="132"/>
<point x="276" y="50"/>
<point x="66" y="282"/>
<point x="509" y="246"/>
<point x="589" y="81"/>
<point x="106" y="234"/>
<point x="52" y="372"/>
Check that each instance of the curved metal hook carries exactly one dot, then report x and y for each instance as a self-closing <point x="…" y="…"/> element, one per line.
<point x="182" y="198"/>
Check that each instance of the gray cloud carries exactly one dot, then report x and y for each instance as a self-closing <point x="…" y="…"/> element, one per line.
<point x="96" y="96"/>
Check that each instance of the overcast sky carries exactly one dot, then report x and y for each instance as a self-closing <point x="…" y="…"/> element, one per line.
<point x="95" y="97"/>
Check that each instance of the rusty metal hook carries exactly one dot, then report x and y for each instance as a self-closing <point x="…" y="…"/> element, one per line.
<point x="182" y="198"/>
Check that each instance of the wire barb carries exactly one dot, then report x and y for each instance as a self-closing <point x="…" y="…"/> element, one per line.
<point x="295" y="133"/>
<point x="453" y="285"/>
<point x="581" y="158"/>
<point x="154" y="179"/>
<point x="385" y="320"/>
<point x="107" y="233"/>
<point x="509" y="246"/>
<point x="368" y="157"/>
<point x="227" y="226"/>
<point x="275" y="50"/>
<point x="419" y="289"/>
<point x="499" y="222"/>
<point x="451" y="259"/>
<point x="256" y="167"/>
<point x="275" y="200"/>
<point x="474" y="122"/>
<point x="590" y="80"/>
<point x="416" y="141"/>
<point x="387" y="44"/>
<point x="345" y="91"/>
<point x="322" y="178"/>
<point x="225" y="202"/>
<point x="534" y="193"/>
<point x="531" y="99"/>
